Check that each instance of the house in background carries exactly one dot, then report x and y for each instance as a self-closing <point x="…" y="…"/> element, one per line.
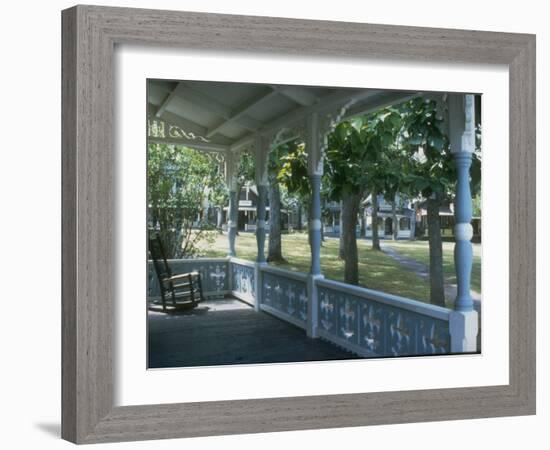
<point x="411" y="219"/>
<point x="247" y="212"/>
<point x="446" y="222"/>
<point x="403" y="221"/>
<point x="404" y="214"/>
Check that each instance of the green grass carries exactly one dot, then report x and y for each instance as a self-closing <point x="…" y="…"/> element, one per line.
<point x="419" y="251"/>
<point x="376" y="270"/>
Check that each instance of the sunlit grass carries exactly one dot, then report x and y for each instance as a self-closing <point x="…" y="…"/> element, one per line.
<point x="376" y="270"/>
<point x="419" y="251"/>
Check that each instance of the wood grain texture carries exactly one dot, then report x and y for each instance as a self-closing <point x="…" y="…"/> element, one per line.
<point x="89" y="36"/>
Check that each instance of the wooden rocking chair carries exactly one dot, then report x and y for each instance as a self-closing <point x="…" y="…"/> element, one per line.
<point x="177" y="292"/>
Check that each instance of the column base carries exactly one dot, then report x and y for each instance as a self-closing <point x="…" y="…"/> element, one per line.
<point x="463" y="328"/>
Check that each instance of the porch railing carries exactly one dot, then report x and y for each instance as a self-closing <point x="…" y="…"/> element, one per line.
<point x="373" y="323"/>
<point x="363" y="321"/>
<point x="214" y="275"/>
<point x="242" y="278"/>
<point x="284" y="294"/>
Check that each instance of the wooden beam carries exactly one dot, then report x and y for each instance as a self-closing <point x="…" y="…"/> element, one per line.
<point x="242" y="110"/>
<point x="194" y="144"/>
<point x="206" y="102"/>
<point x="184" y="124"/>
<point x="300" y="95"/>
<point x="380" y="101"/>
<point x="165" y="103"/>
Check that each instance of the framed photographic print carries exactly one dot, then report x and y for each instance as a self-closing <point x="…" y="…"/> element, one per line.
<point x="265" y="229"/>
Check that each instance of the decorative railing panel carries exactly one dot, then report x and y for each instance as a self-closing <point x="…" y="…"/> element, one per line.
<point x="243" y="280"/>
<point x="372" y="326"/>
<point x="284" y="294"/>
<point x="214" y="274"/>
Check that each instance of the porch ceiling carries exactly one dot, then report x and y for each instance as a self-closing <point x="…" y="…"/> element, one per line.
<point x="228" y="115"/>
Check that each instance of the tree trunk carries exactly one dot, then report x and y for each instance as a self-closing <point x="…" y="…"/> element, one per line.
<point x="437" y="290"/>
<point x="219" y="220"/>
<point x="239" y="189"/>
<point x="363" y="230"/>
<point x="412" y="231"/>
<point x="341" y="252"/>
<point x="395" y="225"/>
<point x="350" y="209"/>
<point x="374" y="216"/>
<point x="299" y="218"/>
<point x="274" y="252"/>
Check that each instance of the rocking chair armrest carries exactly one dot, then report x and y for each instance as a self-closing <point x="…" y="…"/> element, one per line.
<point x="179" y="276"/>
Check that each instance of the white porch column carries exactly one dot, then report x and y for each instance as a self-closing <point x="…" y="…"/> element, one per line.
<point x="315" y="171"/>
<point x="231" y="162"/>
<point x="464" y="320"/>
<point x="261" y="152"/>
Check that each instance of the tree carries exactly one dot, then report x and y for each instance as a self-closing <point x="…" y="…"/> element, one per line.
<point x="245" y="174"/>
<point x="433" y="176"/>
<point x="275" y="248"/>
<point x="393" y="173"/>
<point x="374" y="220"/>
<point x="345" y="169"/>
<point x="355" y="164"/>
<point x="286" y="166"/>
<point x="179" y="183"/>
<point x="218" y="194"/>
<point x="293" y="176"/>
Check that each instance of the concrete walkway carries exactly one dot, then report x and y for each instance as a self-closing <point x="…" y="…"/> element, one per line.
<point x="423" y="271"/>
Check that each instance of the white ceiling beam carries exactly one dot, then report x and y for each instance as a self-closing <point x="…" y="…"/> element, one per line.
<point x="184" y="124"/>
<point x="248" y="123"/>
<point x="299" y="95"/>
<point x="190" y="94"/>
<point x="241" y="111"/>
<point x="165" y="103"/>
<point x="380" y="101"/>
<point x="197" y="145"/>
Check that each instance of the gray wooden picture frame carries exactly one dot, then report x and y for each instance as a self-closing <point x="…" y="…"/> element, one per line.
<point x="89" y="36"/>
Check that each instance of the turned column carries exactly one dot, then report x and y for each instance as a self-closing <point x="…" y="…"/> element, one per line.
<point x="462" y="147"/>
<point x="261" y="155"/>
<point x="315" y="171"/>
<point x="231" y="162"/>
<point x="315" y="224"/>
<point x="463" y="324"/>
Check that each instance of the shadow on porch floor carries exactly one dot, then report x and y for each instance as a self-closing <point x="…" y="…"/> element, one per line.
<point x="228" y="331"/>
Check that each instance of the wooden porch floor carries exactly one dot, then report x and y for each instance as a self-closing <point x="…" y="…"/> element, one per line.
<point x="228" y="331"/>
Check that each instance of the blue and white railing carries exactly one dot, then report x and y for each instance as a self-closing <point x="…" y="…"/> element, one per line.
<point x="242" y="279"/>
<point x="373" y="323"/>
<point x="284" y="294"/>
<point x="214" y="275"/>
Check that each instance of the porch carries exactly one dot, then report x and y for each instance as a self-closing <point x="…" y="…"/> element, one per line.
<point x="229" y="331"/>
<point x="353" y="321"/>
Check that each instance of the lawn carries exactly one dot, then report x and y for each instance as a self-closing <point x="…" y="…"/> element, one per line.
<point x="376" y="270"/>
<point x="419" y="251"/>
